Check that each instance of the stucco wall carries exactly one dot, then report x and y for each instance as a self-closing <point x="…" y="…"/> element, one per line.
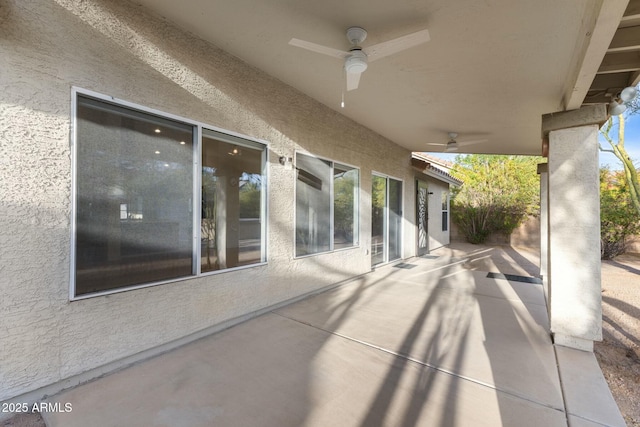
<point x="633" y="245"/>
<point x="117" y="49"/>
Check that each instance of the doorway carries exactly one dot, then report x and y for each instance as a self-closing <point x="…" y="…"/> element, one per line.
<point x="422" y="217"/>
<point x="386" y="219"/>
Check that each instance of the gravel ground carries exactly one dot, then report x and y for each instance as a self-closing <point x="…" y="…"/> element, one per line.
<point x="618" y="354"/>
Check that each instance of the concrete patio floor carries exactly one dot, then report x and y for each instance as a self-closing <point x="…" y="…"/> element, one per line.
<point x="436" y="343"/>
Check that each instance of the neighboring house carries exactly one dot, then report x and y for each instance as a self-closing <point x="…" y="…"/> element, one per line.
<point x="433" y="195"/>
<point x="156" y="189"/>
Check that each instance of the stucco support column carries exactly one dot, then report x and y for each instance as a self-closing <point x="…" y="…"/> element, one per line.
<point x="575" y="304"/>
<point x="543" y="171"/>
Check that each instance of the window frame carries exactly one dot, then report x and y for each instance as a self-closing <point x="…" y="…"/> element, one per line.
<point x="356" y="202"/>
<point x="249" y="143"/>
<point x="445" y="211"/>
<point x="196" y="194"/>
<point x="356" y="205"/>
<point x="387" y="177"/>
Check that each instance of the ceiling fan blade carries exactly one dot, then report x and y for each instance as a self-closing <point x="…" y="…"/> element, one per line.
<point x="475" y="141"/>
<point x="434" y="143"/>
<point x="384" y="49"/>
<point x="336" y="53"/>
<point x="353" y="79"/>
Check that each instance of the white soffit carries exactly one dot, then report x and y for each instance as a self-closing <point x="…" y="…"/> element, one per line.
<point x="490" y="71"/>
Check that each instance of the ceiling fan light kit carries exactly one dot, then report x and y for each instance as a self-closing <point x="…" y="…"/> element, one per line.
<point x="356" y="62"/>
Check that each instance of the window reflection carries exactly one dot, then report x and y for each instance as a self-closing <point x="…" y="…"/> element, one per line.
<point x="133" y="198"/>
<point x="345" y="206"/>
<point x="313" y="205"/>
<point x="232" y="183"/>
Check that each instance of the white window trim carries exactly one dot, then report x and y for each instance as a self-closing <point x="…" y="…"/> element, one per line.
<point x="446" y="209"/>
<point x="263" y="200"/>
<point x="197" y="182"/>
<point x="356" y="245"/>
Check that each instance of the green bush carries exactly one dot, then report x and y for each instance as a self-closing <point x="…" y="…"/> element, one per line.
<point x="618" y="217"/>
<point x="497" y="195"/>
<point x="472" y="222"/>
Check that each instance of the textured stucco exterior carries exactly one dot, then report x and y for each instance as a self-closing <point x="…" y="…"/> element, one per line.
<point x="574" y="232"/>
<point x="118" y="49"/>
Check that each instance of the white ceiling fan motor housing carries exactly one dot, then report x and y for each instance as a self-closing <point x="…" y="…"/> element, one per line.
<point x="356" y="62"/>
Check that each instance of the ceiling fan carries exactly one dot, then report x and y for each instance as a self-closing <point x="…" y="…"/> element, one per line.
<point x="453" y="144"/>
<point x="356" y="59"/>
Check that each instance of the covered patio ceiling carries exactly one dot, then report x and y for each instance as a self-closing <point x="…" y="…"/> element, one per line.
<point x="621" y="65"/>
<point x="490" y="70"/>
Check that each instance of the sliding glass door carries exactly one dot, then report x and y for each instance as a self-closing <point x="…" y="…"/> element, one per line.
<point x="386" y="219"/>
<point x="378" y="220"/>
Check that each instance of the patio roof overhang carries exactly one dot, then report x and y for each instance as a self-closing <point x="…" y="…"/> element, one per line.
<point x="490" y="70"/>
<point x="620" y="67"/>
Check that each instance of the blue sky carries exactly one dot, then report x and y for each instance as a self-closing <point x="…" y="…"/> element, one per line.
<point x="631" y="143"/>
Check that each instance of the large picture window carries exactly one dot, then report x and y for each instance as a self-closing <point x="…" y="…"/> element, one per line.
<point x="136" y="198"/>
<point x="326" y="205"/>
<point x="134" y="182"/>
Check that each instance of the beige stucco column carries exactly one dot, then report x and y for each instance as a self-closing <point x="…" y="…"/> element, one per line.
<point x="575" y="305"/>
<point x="543" y="171"/>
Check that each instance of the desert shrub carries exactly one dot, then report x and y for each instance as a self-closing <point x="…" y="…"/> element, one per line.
<point x="497" y="195"/>
<point x="618" y="217"/>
